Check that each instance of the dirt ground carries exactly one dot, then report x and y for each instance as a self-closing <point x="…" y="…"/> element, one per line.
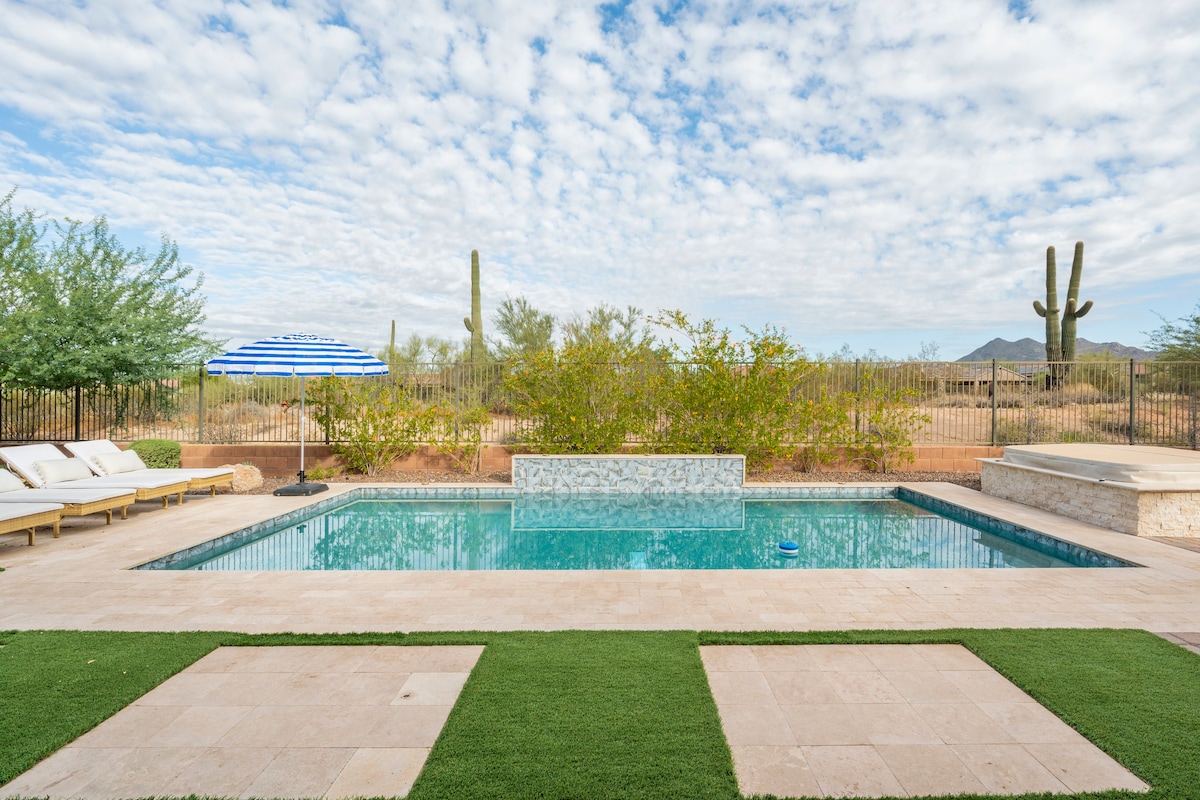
<point x="968" y="479"/>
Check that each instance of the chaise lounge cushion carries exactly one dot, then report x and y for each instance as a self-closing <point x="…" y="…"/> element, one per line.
<point x="93" y="452"/>
<point x="10" y="482"/>
<point x="61" y="470"/>
<point x="116" y="463"/>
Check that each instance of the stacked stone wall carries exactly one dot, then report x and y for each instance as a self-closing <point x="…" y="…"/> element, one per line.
<point x="1118" y="507"/>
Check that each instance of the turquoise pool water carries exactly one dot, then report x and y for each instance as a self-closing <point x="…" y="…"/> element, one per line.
<point x="557" y="532"/>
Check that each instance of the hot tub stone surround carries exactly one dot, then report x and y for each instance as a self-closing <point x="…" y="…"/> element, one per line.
<point x="636" y="474"/>
<point x="1140" y="510"/>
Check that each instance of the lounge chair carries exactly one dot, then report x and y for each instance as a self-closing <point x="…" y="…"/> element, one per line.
<point x="27" y="516"/>
<point x="45" y="465"/>
<point x="76" y="502"/>
<point x="102" y="456"/>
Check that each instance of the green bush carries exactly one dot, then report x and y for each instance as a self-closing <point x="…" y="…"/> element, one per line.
<point x="825" y="426"/>
<point x="370" y="423"/>
<point x="725" y="396"/>
<point x="885" y="418"/>
<point x="458" y="433"/>
<point x="587" y="397"/>
<point x="158" y="453"/>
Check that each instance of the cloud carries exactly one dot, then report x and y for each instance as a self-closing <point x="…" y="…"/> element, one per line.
<point x="852" y="170"/>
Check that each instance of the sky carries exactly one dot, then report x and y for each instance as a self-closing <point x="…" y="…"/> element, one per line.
<point x="876" y="174"/>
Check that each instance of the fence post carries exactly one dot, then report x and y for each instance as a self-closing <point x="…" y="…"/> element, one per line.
<point x="200" y="408"/>
<point x="78" y="394"/>
<point x="1192" y="439"/>
<point x="1132" y="411"/>
<point x="995" y="388"/>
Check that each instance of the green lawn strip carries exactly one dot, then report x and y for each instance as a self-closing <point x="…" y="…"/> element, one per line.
<point x="583" y="715"/>
<point x="619" y="714"/>
<point x="57" y="685"/>
<point x="1133" y="694"/>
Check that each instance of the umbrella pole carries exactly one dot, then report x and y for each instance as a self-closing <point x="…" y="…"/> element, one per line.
<point x="303" y="488"/>
<point x="303" y="478"/>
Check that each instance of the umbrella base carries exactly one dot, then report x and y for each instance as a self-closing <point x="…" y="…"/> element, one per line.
<point x="303" y="489"/>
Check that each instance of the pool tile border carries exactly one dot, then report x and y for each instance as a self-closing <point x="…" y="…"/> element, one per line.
<point x="1042" y="542"/>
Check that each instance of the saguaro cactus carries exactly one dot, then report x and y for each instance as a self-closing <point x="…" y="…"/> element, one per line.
<point x="474" y="323"/>
<point x="1050" y="310"/>
<point x="1072" y="310"/>
<point x="1060" y="344"/>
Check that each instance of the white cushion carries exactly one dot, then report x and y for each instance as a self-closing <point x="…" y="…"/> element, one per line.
<point x="116" y="463"/>
<point x="62" y="469"/>
<point x="10" y="482"/>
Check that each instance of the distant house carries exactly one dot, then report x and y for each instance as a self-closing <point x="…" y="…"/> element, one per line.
<point x="951" y="378"/>
<point x="980" y="375"/>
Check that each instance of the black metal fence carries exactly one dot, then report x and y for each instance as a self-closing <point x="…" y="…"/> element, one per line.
<point x="1130" y="402"/>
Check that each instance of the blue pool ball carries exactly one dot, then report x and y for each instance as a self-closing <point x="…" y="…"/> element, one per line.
<point x="789" y="549"/>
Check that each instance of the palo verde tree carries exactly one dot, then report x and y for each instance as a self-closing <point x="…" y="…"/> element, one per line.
<point x="78" y="309"/>
<point x="523" y="329"/>
<point x="723" y="395"/>
<point x="587" y="395"/>
<point x="1178" y="340"/>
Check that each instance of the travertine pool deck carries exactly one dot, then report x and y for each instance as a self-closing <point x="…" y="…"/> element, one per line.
<point x="83" y="581"/>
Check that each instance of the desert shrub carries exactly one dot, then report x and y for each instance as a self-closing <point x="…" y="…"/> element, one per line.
<point x="585" y="397"/>
<point x="322" y="473"/>
<point x="369" y="423"/>
<point x="238" y="422"/>
<point x="158" y="453"/>
<point x="963" y="400"/>
<point x="1011" y="398"/>
<point x="1117" y="426"/>
<point x="1027" y="428"/>
<point x="884" y="420"/>
<point x="1072" y="394"/>
<point x="725" y="396"/>
<point x="457" y="432"/>
<point x="825" y="426"/>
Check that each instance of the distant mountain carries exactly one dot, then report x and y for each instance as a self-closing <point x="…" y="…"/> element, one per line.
<point x="1033" y="350"/>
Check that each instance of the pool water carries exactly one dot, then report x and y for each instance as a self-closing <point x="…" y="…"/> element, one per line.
<point x="623" y="532"/>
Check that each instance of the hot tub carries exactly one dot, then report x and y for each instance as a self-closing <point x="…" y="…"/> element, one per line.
<point x="1144" y="491"/>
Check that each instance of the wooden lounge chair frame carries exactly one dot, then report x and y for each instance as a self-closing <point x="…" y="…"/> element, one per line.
<point x="30" y="522"/>
<point x="96" y="506"/>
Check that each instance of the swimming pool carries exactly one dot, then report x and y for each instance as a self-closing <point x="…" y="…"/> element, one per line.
<point x="883" y="528"/>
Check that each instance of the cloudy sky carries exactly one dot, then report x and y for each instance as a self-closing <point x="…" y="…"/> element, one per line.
<point x="874" y="173"/>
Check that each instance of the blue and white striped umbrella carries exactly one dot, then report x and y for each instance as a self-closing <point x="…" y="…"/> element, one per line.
<point x="298" y="355"/>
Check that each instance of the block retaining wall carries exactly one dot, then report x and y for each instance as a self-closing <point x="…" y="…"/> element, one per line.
<point x="284" y="459"/>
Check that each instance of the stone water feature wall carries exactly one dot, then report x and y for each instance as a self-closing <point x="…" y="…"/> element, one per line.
<point x="628" y="474"/>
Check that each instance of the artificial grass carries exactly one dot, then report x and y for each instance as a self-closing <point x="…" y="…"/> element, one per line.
<point x="583" y="714"/>
<point x="621" y="714"/>
<point x="57" y="685"/>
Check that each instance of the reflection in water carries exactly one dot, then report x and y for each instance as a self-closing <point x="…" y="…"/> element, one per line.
<point x="642" y="532"/>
